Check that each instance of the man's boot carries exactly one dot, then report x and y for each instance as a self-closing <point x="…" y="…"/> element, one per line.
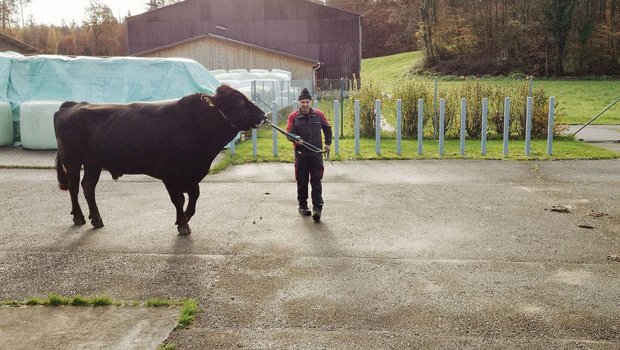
<point x="304" y="211"/>
<point x="316" y="215"/>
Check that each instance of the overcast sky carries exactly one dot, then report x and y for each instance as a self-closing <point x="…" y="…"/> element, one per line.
<point x="53" y="11"/>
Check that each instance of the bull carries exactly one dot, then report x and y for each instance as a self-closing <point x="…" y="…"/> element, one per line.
<point x="175" y="142"/>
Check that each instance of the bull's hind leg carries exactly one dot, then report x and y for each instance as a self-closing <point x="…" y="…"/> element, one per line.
<point x="89" y="182"/>
<point x="178" y="199"/>
<point x="193" y="195"/>
<point x="73" y="181"/>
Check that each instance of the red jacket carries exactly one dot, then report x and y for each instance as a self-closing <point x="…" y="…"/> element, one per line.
<point x="309" y="127"/>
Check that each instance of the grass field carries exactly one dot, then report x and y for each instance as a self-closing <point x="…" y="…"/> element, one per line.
<point x="578" y="100"/>
<point x="562" y="149"/>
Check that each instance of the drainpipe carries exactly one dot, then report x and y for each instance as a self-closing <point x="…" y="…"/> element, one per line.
<point x="314" y="77"/>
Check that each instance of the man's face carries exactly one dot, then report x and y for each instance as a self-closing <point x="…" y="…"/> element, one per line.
<point x="304" y="106"/>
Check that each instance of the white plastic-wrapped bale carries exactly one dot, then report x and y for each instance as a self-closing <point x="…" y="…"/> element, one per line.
<point x="280" y="71"/>
<point x="6" y="124"/>
<point x="36" y="120"/>
<point x="217" y="72"/>
<point x="241" y="70"/>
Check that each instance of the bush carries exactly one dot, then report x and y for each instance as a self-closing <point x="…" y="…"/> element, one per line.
<point x="367" y="93"/>
<point x="409" y="92"/>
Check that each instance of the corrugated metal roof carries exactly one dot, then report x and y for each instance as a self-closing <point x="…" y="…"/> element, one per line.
<point x="294" y="27"/>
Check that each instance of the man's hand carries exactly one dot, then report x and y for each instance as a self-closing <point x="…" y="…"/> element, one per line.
<point x="326" y="148"/>
<point x="299" y="142"/>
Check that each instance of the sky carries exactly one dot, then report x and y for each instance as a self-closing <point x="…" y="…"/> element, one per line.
<point x="53" y="11"/>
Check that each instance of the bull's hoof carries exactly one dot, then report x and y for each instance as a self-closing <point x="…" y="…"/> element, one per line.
<point x="97" y="222"/>
<point x="79" y="220"/>
<point x="184" y="230"/>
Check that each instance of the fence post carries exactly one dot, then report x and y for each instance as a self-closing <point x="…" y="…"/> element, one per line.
<point x="357" y="126"/>
<point x="274" y="120"/>
<point x="254" y="132"/>
<point x="463" y="121"/>
<point x="483" y="136"/>
<point x="336" y="126"/>
<point x="420" y="125"/>
<point x="231" y="145"/>
<point x="550" y="125"/>
<point x="315" y="103"/>
<point x="342" y="86"/>
<point x="399" y="128"/>
<point x="506" y="124"/>
<point x="442" y="127"/>
<point x="378" y="127"/>
<point x="435" y="109"/>
<point x="528" y="126"/>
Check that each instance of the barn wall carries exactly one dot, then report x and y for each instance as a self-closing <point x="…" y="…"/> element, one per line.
<point x="296" y="27"/>
<point x="217" y="54"/>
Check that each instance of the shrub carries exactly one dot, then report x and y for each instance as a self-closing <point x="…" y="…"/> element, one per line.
<point x="409" y="92"/>
<point x="451" y="108"/>
<point x="496" y="98"/>
<point x="367" y="93"/>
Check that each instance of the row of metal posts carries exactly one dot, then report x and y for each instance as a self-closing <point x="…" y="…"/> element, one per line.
<point x="463" y="120"/>
<point x="483" y="142"/>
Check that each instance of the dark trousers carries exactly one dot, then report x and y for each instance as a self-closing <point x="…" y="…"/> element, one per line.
<point x="309" y="169"/>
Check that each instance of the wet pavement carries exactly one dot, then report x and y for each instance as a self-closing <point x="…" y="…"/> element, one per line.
<point x="410" y="254"/>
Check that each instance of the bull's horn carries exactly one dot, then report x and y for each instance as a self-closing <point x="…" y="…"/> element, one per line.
<point x="207" y="99"/>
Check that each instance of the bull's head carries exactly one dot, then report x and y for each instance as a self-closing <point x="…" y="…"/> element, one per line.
<point x="236" y="108"/>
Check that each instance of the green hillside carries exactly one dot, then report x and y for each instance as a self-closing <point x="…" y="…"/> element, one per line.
<point x="578" y="99"/>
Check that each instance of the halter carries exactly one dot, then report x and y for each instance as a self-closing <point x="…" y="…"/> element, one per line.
<point x="207" y="100"/>
<point x="228" y="120"/>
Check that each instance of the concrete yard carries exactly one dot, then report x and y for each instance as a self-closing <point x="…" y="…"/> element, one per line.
<point x="426" y="254"/>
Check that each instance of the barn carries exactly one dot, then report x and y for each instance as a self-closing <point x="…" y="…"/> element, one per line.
<point x="312" y="41"/>
<point x="8" y="43"/>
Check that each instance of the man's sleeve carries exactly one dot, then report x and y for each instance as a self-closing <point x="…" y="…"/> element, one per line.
<point x="327" y="128"/>
<point x="290" y="125"/>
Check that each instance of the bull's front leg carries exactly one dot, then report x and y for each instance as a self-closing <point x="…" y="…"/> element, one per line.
<point x="178" y="199"/>
<point x="193" y="195"/>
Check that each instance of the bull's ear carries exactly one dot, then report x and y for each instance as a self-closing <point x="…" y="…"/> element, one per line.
<point x="208" y="100"/>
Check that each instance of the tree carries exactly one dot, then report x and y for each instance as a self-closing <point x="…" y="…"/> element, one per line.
<point x="155" y="4"/>
<point x="428" y="19"/>
<point x="559" y="15"/>
<point x="7" y="10"/>
<point x="103" y="27"/>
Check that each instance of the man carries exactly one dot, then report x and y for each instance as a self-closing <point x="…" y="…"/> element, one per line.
<point x="307" y="123"/>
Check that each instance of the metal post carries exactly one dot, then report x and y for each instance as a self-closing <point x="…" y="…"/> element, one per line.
<point x="231" y="145"/>
<point x="550" y="125"/>
<point x="420" y="125"/>
<point x="531" y="86"/>
<point x="506" y="124"/>
<point x="483" y="136"/>
<point x="463" y="121"/>
<point x="254" y="143"/>
<point x="399" y="128"/>
<point x="315" y="104"/>
<point x="528" y="126"/>
<point x="378" y="127"/>
<point x="435" y="100"/>
<point x="342" y="109"/>
<point x="336" y="125"/>
<point x="357" y="126"/>
<point x="274" y="120"/>
<point x="254" y="132"/>
<point x="442" y="108"/>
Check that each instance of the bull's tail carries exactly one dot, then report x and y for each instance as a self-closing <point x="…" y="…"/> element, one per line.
<point x="61" y="175"/>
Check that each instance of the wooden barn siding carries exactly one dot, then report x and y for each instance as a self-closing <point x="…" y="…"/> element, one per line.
<point x="215" y="54"/>
<point x="296" y="27"/>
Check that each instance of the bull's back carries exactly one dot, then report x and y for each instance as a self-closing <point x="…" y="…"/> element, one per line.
<point x="125" y="139"/>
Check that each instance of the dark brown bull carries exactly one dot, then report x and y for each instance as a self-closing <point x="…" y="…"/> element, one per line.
<point x="175" y="142"/>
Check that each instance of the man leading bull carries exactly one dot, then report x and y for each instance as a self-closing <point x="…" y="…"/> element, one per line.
<point x="308" y="123"/>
